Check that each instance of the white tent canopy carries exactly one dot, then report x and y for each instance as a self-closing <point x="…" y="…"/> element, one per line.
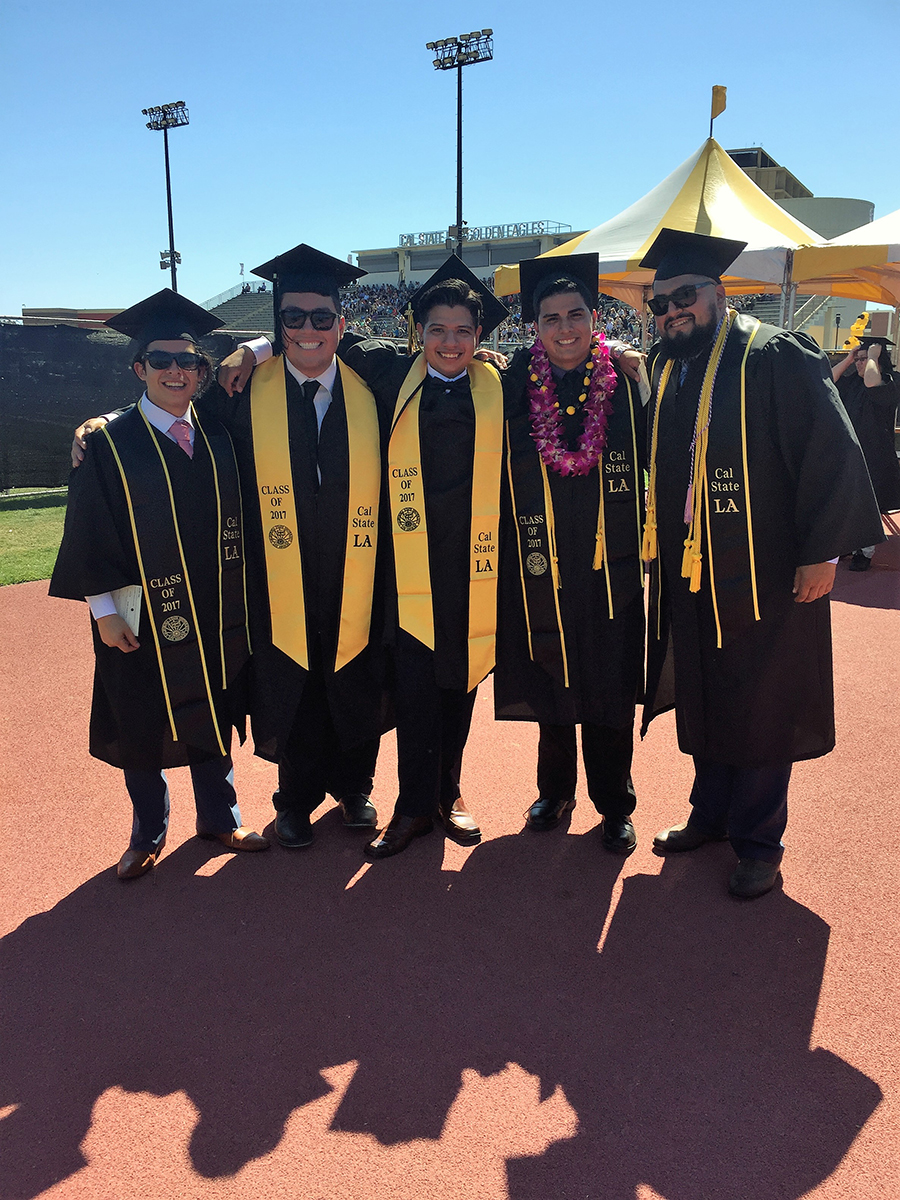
<point x="864" y="263"/>
<point x="708" y="193"/>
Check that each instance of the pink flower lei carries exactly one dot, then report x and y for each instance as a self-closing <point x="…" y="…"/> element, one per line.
<point x="546" y="420"/>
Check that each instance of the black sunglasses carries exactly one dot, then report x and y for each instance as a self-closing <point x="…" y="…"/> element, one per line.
<point x="161" y="360"/>
<point x="682" y="297"/>
<point x="320" y="318"/>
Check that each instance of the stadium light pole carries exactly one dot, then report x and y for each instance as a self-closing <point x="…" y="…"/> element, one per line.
<point x="454" y="54"/>
<point x="166" y="117"/>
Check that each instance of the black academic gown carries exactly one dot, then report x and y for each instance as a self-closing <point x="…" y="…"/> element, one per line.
<point x="604" y="656"/>
<point x="766" y="697"/>
<point x="356" y="694"/>
<point x="129" y="725"/>
<point x="447" y="438"/>
<point x="873" y="412"/>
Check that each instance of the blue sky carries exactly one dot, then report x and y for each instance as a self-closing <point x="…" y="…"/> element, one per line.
<point x="327" y="123"/>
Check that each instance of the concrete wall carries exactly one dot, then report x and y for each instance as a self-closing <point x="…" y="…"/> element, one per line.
<point x="51" y="379"/>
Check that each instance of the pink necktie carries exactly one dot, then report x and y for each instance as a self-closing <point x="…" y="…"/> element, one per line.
<point x="181" y="432"/>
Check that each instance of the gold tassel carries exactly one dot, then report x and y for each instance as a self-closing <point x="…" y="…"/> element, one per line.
<point x="649" y="546"/>
<point x="412" y="335"/>
<point x="601" y="522"/>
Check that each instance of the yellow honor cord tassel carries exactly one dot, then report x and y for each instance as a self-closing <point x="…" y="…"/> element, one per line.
<point x="649" y="545"/>
<point x="598" y="552"/>
<point x="692" y="561"/>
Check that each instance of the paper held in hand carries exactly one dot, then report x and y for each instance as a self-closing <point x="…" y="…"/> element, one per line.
<point x="128" y="605"/>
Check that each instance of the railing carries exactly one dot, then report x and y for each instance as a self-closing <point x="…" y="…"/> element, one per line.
<point x="808" y="310"/>
<point x="230" y="294"/>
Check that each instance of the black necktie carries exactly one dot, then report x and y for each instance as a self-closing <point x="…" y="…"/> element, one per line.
<point x="311" y="426"/>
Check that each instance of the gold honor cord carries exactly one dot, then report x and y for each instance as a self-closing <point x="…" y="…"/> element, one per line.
<point x="187" y="580"/>
<point x="362" y="520"/>
<point x="408" y="516"/>
<point x="144" y="585"/>
<point x="215" y="470"/>
<point x="638" y="482"/>
<point x="487" y="397"/>
<point x="649" y="546"/>
<point x="692" y="560"/>
<point x="515" y="509"/>
<point x="275" y="491"/>
<point x="237" y="476"/>
<point x="554" y="567"/>
<point x="753" y="587"/>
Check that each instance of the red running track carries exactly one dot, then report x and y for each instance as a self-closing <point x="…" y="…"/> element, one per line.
<point x="531" y="1019"/>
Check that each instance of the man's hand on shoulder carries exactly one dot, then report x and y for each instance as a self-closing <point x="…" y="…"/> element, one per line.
<point x="82" y="433"/>
<point x="629" y="363"/>
<point x="493" y="357"/>
<point x="813" y="581"/>
<point x="235" y="370"/>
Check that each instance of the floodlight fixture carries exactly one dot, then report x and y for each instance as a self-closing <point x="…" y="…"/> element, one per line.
<point x="166" y="117"/>
<point x="454" y="54"/>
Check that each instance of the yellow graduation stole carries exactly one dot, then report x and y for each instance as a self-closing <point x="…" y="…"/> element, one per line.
<point x="281" y="535"/>
<point x="409" y="524"/>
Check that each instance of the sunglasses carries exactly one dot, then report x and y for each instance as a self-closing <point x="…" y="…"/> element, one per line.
<point x="161" y="360"/>
<point x="320" y="318"/>
<point x="682" y="297"/>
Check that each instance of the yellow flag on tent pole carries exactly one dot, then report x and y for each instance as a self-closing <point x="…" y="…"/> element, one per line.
<point x="718" y="104"/>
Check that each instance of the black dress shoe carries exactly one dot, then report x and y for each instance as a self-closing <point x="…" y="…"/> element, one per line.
<point x="860" y="561"/>
<point x="359" y="812"/>
<point x="684" y="837"/>
<point x="618" y="834"/>
<point x="547" y="814"/>
<point x="396" y="836"/>
<point x="753" y="878"/>
<point x="293" y="829"/>
<point x="459" y="824"/>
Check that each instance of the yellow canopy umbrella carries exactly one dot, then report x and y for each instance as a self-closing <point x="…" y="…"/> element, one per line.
<point x="863" y="264"/>
<point x="708" y="193"/>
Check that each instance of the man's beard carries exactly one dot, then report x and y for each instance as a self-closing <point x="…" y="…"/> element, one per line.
<point x="689" y="345"/>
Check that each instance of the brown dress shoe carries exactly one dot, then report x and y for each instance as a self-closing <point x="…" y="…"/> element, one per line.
<point x="396" y="836"/>
<point x="684" y="837"/>
<point x="238" y="839"/>
<point x="459" y="824"/>
<point x="135" y="863"/>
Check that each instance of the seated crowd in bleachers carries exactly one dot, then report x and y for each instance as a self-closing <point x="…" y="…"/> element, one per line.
<point x="379" y="310"/>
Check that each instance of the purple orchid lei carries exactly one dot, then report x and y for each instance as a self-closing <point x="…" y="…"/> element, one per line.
<point x="546" y="419"/>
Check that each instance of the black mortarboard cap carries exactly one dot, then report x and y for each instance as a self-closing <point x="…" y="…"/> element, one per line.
<point x="871" y="339"/>
<point x="535" y="272"/>
<point x="164" y="317"/>
<point x="454" y="268"/>
<point x="305" y="269"/>
<point x="678" y="252"/>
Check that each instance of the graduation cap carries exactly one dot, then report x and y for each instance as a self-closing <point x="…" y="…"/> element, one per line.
<point x="535" y="273"/>
<point x="305" y="269"/>
<point x="164" y="317"/>
<point x="872" y="339"/>
<point x="677" y="252"/>
<point x="454" y="268"/>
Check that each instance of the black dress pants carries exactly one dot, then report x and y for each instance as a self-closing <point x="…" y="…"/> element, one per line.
<point x="432" y="728"/>
<point x="314" y="762"/>
<point x="607" y="757"/>
<point x="749" y="804"/>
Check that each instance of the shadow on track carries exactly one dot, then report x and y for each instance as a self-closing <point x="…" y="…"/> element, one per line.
<point x="683" y="1047"/>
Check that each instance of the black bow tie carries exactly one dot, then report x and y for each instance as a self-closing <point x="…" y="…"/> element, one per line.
<point x="456" y="387"/>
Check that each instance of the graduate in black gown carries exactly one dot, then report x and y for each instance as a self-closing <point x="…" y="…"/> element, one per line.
<point x="443" y="466"/>
<point x="154" y="541"/>
<point x="867" y="386"/>
<point x="571" y="631"/>
<point x="757" y="485"/>
<point x="307" y="438"/>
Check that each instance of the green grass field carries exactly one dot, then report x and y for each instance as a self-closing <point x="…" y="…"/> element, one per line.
<point x="31" y="525"/>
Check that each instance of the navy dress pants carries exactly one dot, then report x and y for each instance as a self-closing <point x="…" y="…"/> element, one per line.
<point x="214" y="796"/>
<point x="749" y="804"/>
